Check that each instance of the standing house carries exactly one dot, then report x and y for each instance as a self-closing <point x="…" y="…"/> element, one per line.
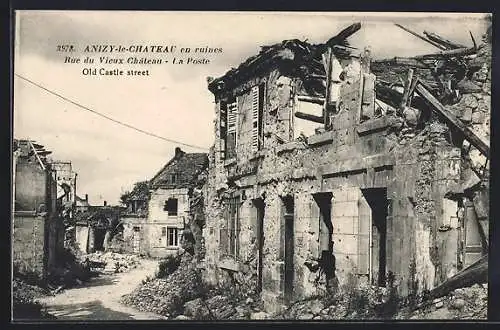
<point x="134" y="218"/>
<point x="389" y="194"/>
<point x="37" y="229"/>
<point x="168" y="205"/>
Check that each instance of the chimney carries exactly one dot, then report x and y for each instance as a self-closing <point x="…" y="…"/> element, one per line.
<point x="178" y="152"/>
<point x="86" y="197"/>
<point x="105" y="203"/>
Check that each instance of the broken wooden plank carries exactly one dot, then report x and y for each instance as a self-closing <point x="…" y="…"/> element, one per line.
<point x="449" y="53"/>
<point x="440" y="40"/>
<point x="344" y="34"/>
<point x="473" y="40"/>
<point x="311" y="99"/>
<point x="328" y="70"/>
<point x="316" y="76"/>
<point x="475" y="273"/>
<point x="435" y="44"/>
<point x="307" y="116"/>
<point x="406" y="93"/>
<point x="454" y="121"/>
<point x="408" y="61"/>
<point x="412" y="90"/>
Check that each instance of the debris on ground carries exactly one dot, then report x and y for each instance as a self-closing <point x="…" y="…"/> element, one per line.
<point x="166" y="296"/>
<point x="24" y="305"/>
<point x="460" y="304"/>
<point x="111" y="262"/>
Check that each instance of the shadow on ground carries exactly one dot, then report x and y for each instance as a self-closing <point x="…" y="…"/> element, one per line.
<point x="93" y="310"/>
<point x="101" y="280"/>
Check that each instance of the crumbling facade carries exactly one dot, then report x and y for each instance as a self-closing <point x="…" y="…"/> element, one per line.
<point x="96" y="227"/>
<point x="382" y="185"/>
<point x="38" y="230"/>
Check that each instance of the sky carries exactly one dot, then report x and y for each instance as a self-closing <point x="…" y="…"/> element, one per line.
<point x="173" y="101"/>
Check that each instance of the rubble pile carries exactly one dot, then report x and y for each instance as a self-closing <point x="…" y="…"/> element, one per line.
<point x="223" y="307"/>
<point x="363" y="302"/>
<point x="463" y="304"/>
<point x="112" y="262"/>
<point x="24" y="305"/>
<point x="167" y="296"/>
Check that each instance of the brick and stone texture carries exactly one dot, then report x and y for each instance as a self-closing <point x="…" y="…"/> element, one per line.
<point x="28" y="244"/>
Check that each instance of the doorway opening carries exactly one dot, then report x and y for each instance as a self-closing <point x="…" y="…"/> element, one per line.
<point x="99" y="234"/>
<point x="327" y="259"/>
<point x="378" y="203"/>
<point x="260" y="212"/>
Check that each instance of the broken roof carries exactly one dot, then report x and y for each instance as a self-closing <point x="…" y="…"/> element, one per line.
<point x="185" y="167"/>
<point x="300" y="57"/>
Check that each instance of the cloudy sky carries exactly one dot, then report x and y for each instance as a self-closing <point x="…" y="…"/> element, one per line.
<point x="173" y="101"/>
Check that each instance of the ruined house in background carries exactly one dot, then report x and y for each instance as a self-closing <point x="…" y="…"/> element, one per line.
<point x="133" y="219"/>
<point x="66" y="197"/>
<point x="81" y="204"/>
<point x="158" y="210"/>
<point x="38" y="230"/>
<point x="96" y="227"/>
<point x="395" y="174"/>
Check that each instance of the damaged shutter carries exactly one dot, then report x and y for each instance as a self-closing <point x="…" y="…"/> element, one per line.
<point x="237" y="227"/>
<point x="223" y="128"/>
<point x="224" y="233"/>
<point x="232" y="125"/>
<point x="255" y="117"/>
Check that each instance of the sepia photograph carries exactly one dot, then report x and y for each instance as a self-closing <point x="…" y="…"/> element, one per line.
<point x="241" y="166"/>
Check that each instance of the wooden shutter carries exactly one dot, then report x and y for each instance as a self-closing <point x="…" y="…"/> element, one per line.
<point x="223" y="128"/>
<point x="255" y="117"/>
<point x="224" y="233"/>
<point x="232" y="129"/>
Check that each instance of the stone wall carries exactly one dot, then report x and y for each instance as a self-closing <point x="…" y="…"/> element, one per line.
<point x="29" y="250"/>
<point x="31" y="186"/>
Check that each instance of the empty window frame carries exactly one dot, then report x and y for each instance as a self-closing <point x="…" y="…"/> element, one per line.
<point x="171" y="206"/>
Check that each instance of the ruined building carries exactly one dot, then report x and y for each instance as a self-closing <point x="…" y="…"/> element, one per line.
<point x="38" y="228"/>
<point x="96" y="226"/>
<point x="157" y="210"/>
<point x="393" y="179"/>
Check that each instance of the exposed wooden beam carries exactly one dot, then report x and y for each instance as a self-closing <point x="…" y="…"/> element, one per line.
<point x="402" y="61"/>
<point x="475" y="273"/>
<point x="435" y="44"/>
<point x="406" y="93"/>
<point x="454" y="121"/>
<point x="316" y="76"/>
<point x="440" y="40"/>
<point x="448" y="53"/>
<point x="329" y="59"/>
<point x="311" y="99"/>
<point x="307" y="116"/>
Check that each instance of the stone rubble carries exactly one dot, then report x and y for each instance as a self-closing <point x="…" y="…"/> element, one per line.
<point x="113" y="262"/>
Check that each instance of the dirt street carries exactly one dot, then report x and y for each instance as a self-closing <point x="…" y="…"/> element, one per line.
<point x="99" y="298"/>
